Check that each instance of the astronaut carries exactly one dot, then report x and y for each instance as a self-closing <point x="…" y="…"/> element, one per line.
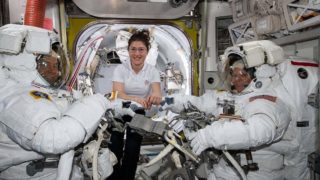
<point x="300" y="78"/>
<point x="252" y="115"/>
<point x="39" y="122"/>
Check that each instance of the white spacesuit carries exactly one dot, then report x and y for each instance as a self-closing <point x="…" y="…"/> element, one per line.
<point x="38" y="123"/>
<point x="301" y="80"/>
<point x="263" y="110"/>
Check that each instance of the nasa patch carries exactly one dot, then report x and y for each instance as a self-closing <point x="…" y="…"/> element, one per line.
<point x="38" y="95"/>
<point x="302" y="73"/>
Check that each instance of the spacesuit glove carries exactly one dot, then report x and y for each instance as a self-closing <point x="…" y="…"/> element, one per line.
<point x="119" y="110"/>
<point x="106" y="160"/>
<point x="177" y="125"/>
<point x="198" y="140"/>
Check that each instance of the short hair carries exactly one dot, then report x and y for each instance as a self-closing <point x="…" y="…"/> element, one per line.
<point x="140" y="35"/>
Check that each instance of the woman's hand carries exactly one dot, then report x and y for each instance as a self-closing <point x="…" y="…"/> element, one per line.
<point x="142" y="102"/>
<point x="154" y="99"/>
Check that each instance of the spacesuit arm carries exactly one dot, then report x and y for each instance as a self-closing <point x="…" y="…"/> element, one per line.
<point x="206" y="103"/>
<point x="265" y="122"/>
<point x="75" y="126"/>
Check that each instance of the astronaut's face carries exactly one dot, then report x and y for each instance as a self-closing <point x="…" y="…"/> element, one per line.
<point x="240" y="79"/>
<point x="48" y="68"/>
<point x="138" y="53"/>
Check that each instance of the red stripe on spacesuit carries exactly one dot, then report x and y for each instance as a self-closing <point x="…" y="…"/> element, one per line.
<point x="295" y="63"/>
<point x="267" y="97"/>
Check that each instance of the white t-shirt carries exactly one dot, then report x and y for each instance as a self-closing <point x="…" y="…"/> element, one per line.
<point x="136" y="84"/>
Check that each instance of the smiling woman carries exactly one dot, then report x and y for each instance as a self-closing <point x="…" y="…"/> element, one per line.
<point x="138" y="81"/>
<point x="137" y="53"/>
<point x="134" y="81"/>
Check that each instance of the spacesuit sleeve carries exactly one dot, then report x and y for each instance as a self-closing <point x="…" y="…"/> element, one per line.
<point x="265" y="123"/>
<point x="37" y="124"/>
<point x="206" y="103"/>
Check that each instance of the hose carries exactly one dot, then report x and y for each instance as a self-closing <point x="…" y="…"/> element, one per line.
<point x="65" y="165"/>
<point x="35" y="12"/>
<point x="96" y="152"/>
<point x="235" y="164"/>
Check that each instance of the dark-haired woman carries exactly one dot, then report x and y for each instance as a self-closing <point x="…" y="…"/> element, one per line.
<point x="139" y="82"/>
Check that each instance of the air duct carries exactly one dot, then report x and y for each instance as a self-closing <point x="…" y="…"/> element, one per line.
<point x="35" y="12"/>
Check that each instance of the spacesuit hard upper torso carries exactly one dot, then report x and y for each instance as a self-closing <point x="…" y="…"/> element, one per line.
<point x="261" y="103"/>
<point x="16" y="151"/>
<point x="38" y="123"/>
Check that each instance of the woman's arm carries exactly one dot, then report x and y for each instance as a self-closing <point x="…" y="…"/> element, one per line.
<point x="155" y="96"/>
<point x="118" y="86"/>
